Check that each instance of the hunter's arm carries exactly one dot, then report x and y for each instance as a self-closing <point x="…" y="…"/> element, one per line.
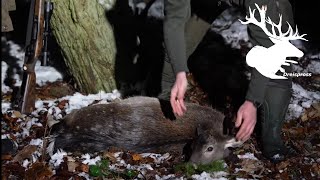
<point x="177" y="12"/>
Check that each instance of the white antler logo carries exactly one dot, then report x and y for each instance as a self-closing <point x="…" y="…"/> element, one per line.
<point x="268" y="61"/>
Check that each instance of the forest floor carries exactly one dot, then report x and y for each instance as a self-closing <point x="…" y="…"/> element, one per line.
<point x="29" y="160"/>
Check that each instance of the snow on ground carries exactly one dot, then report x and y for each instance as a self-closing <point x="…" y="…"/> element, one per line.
<point x="44" y="73"/>
<point x="229" y="26"/>
<point x="235" y="34"/>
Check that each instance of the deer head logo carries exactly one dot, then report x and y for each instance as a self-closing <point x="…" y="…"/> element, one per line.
<point x="268" y="61"/>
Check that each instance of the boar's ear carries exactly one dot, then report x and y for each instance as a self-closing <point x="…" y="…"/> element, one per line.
<point x="201" y="128"/>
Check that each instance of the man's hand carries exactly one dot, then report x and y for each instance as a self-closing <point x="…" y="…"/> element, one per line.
<point x="246" y="118"/>
<point x="177" y="94"/>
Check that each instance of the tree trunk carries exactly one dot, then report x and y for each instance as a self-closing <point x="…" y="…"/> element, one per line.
<point x="87" y="42"/>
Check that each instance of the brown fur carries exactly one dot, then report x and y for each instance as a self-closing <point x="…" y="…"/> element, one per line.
<point x="136" y="124"/>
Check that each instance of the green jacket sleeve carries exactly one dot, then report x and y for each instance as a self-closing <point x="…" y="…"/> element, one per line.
<point x="177" y="13"/>
<point x="258" y="83"/>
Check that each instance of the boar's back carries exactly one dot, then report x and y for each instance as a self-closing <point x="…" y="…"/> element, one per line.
<point x="136" y="124"/>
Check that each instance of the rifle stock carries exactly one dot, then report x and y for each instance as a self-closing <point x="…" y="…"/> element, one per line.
<point x="35" y="50"/>
<point x="29" y="95"/>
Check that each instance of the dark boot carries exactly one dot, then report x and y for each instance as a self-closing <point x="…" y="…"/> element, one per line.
<point x="273" y="113"/>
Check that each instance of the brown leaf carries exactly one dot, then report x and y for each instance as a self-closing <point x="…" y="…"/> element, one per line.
<point x="147" y="160"/>
<point x="38" y="131"/>
<point x="283" y="176"/>
<point x="17" y="114"/>
<point x="14" y="138"/>
<point x="304" y="117"/>
<point x="136" y="157"/>
<point x="38" y="170"/>
<point x="25" y="153"/>
<point x="316" y="169"/>
<point x="72" y="166"/>
<point x="12" y="168"/>
<point x="110" y="156"/>
<point x="283" y="165"/>
<point x="296" y="131"/>
<point x="83" y="168"/>
<point x="311" y="113"/>
<point x="6" y="157"/>
<point x="62" y="104"/>
<point x="251" y="165"/>
<point x="12" y="122"/>
<point x="316" y="106"/>
<point x="126" y="156"/>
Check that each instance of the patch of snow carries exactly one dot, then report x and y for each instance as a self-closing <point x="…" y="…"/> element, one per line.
<point x="25" y="163"/>
<point x="211" y="176"/>
<point x="229" y="26"/>
<point x="79" y="100"/>
<point x="157" y="10"/>
<point x="5" y="136"/>
<point x="247" y="156"/>
<point x="85" y="175"/>
<point x="313" y="67"/>
<point x="57" y="158"/>
<point x="46" y="74"/>
<point x="4" y="68"/>
<point x="36" y="142"/>
<point x="158" y="158"/>
<point x="107" y="4"/>
<point x="170" y="176"/>
<point x="314" y="56"/>
<point x="301" y="99"/>
<point x="89" y="161"/>
<point x="35" y="156"/>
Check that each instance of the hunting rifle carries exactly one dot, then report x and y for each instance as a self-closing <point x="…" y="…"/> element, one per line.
<point x="36" y="49"/>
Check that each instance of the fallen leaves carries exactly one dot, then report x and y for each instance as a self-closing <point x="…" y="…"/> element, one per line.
<point x="38" y="171"/>
<point x="312" y="113"/>
<point x="81" y="167"/>
<point x="302" y="134"/>
<point x="54" y="90"/>
<point x="12" y="169"/>
<point x="6" y="157"/>
<point x="25" y="153"/>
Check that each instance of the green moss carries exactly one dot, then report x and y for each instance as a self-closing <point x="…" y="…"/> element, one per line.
<point x="100" y="169"/>
<point x="189" y="169"/>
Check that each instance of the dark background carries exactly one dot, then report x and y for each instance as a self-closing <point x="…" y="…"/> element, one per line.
<point x="307" y="16"/>
<point x="210" y="63"/>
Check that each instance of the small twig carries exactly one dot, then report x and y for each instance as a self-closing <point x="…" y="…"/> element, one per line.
<point x="44" y="145"/>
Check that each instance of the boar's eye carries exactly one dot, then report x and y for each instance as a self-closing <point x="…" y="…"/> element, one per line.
<point x="210" y="148"/>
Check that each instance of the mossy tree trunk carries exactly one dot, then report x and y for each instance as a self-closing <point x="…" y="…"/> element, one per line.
<point x="87" y="43"/>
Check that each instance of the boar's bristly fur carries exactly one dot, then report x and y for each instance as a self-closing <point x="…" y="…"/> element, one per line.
<point x="137" y="124"/>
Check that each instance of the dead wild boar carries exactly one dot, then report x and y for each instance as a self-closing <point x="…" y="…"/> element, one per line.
<point x="140" y="124"/>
